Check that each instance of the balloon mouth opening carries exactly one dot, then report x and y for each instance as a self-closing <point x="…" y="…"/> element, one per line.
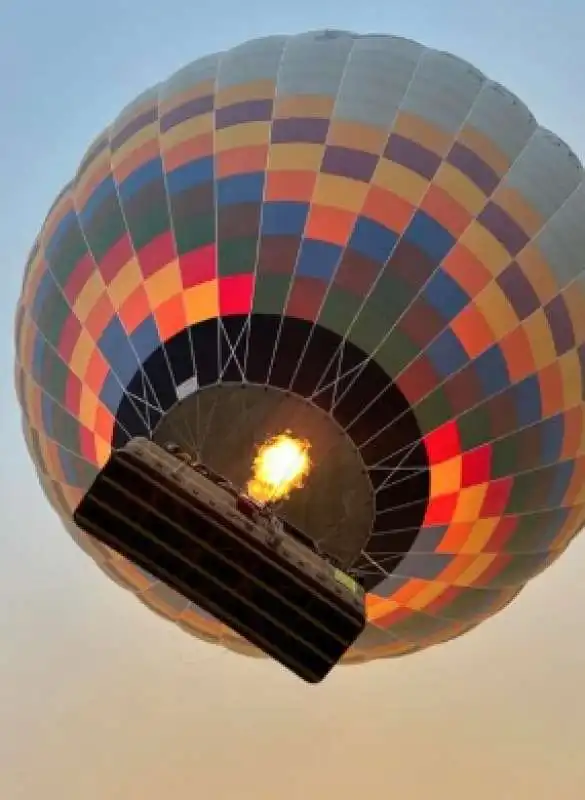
<point x="226" y="387"/>
<point x="328" y="466"/>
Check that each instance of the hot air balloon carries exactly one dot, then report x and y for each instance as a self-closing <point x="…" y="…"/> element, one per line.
<point x="352" y="239"/>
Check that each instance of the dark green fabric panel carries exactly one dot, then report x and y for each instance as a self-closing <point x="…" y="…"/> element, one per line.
<point x="396" y="352"/>
<point x="236" y="256"/>
<point x="433" y="411"/>
<point x="151" y="223"/>
<point x="192" y="234"/>
<point x="338" y="311"/>
<point x="270" y="294"/>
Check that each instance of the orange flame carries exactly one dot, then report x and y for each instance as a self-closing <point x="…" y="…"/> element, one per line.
<point x="281" y="464"/>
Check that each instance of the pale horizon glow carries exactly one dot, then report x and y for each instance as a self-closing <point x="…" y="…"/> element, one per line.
<point x="102" y="700"/>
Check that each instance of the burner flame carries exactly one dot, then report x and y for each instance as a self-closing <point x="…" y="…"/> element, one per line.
<point x="282" y="464"/>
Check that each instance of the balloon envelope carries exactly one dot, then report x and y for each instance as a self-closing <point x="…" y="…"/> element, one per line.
<point x="355" y="238"/>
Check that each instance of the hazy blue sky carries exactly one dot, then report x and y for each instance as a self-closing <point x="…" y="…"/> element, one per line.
<point x="101" y="700"/>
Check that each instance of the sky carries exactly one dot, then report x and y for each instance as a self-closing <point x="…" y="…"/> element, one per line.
<point x="99" y="698"/>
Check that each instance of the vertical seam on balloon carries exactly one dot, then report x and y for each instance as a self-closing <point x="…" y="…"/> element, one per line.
<point x="218" y="59"/>
<point x="368" y="358"/>
<point x="357" y="370"/>
<point x="145" y="378"/>
<point x="303" y="234"/>
<point x="28" y="267"/>
<point x="504" y="436"/>
<point x="96" y="270"/>
<point x="176" y="252"/>
<point x="222" y="630"/>
<point x="283" y="50"/>
<point x="202" y="441"/>
<point x="519" y="326"/>
<point x="510" y="433"/>
<point x="30" y="378"/>
<point x="157" y="89"/>
<point x="177" y="258"/>
<point x="341" y="347"/>
<point x="486" y="83"/>
<point x="501" y="438"/>
<point x="493" y="279"/>
<point x="49" y="269"/>
<point x="291" y="284"/>
<point x="219" y="64"/>
<point x="538" y="468"/>
<point x="90" y="253"/>
<point x="222" y="332"/>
